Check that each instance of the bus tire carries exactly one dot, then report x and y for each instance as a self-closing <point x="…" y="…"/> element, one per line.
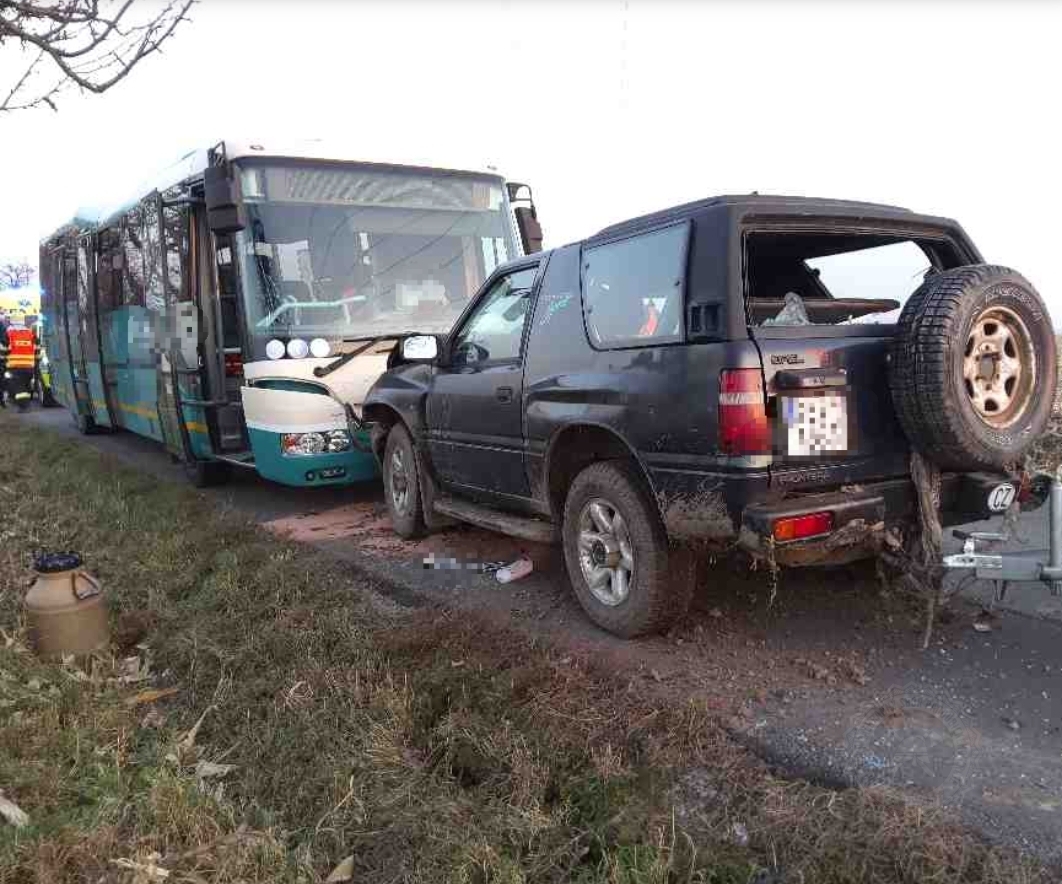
<point x="207" y="473"/>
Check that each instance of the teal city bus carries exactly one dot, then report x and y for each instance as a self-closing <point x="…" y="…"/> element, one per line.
<point x="238" y="309"/>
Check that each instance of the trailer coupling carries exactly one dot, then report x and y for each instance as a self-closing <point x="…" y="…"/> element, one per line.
<point x="1043" y="565"/>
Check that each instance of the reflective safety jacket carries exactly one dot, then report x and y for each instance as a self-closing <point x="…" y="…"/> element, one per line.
<point x="23" y="351"/>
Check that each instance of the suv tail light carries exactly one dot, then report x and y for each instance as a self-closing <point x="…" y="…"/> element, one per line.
<point x="801" y="527"/>
<point x="234" y="365"/>
<point x="743" y="426"/>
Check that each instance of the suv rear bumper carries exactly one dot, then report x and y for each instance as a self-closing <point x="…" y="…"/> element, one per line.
<point x="860" y="515"/>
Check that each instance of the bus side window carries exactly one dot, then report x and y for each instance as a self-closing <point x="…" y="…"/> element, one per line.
<point x="226" y="267"/>
<point x="133" y="265"/>
<point x="227" y="293"/>
<point x="230" y="328"/>
<point x="175" y="227"/>
<point x="106" y="296"/>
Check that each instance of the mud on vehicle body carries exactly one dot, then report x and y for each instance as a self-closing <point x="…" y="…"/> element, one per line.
<point x="748" y="371"/>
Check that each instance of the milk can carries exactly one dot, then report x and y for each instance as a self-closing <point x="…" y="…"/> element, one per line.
<point x="65" y="607"/>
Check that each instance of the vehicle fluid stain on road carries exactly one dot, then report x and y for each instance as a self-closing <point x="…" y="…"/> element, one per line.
<point x="367" y="526"/>
<point x="362" y="521"/>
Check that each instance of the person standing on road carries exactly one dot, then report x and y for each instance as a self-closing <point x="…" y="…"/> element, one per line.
<point x="22" y="355"/>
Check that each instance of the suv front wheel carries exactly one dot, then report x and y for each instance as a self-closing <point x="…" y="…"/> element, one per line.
<point x="616" y="551"/>
<point x="401" y="479"/>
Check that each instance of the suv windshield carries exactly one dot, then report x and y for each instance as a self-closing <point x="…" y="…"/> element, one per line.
<point x="347" y="251"/>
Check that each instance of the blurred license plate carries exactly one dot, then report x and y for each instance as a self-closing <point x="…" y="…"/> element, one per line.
<point x="815" y="424"/>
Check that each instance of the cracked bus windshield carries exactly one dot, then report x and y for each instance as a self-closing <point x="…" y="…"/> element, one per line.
<point x="341" y="252"/>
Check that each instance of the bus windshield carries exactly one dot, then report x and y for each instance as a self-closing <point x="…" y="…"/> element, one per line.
<point x="344" y="251"/>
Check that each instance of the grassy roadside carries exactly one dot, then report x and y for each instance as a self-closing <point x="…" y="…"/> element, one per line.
<point x="427" y="747"/>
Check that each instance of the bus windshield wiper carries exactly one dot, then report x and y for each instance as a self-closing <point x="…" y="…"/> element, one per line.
<point x="295" y="304"/>
<point x="324" y="370"/>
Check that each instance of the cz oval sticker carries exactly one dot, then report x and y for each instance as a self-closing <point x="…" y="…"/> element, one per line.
<point x="1001" y="497"/>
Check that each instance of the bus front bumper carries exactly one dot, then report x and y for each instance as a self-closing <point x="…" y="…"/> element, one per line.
<point x="304" y="470"/>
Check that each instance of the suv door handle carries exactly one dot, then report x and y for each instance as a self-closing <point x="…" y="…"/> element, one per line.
<point x="504" y="394"/>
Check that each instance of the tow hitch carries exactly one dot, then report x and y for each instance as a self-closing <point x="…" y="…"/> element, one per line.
<point x="1044" y="565"/>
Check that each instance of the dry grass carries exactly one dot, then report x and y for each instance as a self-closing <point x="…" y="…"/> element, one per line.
<point x="430" y="747"/>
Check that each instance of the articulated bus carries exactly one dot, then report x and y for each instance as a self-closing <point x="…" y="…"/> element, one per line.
<point x="238" y="308"/>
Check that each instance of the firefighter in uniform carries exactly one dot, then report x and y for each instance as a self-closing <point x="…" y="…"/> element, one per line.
<point x="23" y="352"/>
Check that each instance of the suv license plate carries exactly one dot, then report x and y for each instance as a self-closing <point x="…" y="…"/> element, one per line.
<point x="815" y="424"/>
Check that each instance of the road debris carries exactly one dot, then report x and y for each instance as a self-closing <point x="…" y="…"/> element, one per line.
<point x="144" y="871"/>
<point x="150" y="696"/>
<point x="739" y="834"/>
<point x="433" y="562"/>
<point x="343" y="872"/>
<point x="207" y="769"/>
<point x="516" y="570"/>
<point x="12" y="813"/>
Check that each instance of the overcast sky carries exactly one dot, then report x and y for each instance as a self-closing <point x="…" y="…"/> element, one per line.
<point x="608" y="108"/>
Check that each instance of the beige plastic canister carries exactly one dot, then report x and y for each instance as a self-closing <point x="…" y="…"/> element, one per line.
<point x="66" y="608"/>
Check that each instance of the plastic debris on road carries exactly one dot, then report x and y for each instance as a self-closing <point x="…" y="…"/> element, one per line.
<point x="515" y="570"/>
<point x="432" y="562"/>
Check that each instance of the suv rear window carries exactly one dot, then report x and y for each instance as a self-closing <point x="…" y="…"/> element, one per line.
<point x="632" y="288"/>
<point x="834" y="279"/>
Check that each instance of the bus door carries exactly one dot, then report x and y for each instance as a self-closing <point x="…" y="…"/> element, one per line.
<point x="55" y="340"/>
<point x="72" y="312"/>
<point x="225" y="333"/>
<point x="89" y="331"/>
<point x="184" y="429"/>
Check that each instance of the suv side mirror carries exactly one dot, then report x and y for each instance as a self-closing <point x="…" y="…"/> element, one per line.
<point x="420" y="348"/>
<point x="225" y="212"/>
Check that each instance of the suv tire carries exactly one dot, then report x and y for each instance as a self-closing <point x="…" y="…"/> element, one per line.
<point x="616" y="552"/>
<point x="401" y="479"/>
<point x="972" y="368"/>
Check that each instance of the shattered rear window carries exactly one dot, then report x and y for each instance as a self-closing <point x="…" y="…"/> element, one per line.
<point x="822" y="279"/>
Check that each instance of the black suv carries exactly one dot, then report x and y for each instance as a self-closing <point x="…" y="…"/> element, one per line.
<point x="746" y="371"/>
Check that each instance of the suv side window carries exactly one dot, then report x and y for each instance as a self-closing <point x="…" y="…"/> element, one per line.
<point x="633" y="288"/>
<point x="495" y="329"/>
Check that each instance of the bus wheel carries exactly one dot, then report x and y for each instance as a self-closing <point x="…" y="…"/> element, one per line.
<point x="206" y="473"/>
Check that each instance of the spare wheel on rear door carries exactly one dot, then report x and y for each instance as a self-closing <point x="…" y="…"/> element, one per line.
<point x="972" y="368"/>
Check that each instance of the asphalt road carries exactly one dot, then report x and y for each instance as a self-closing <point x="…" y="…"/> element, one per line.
<point x="828" y="681"/>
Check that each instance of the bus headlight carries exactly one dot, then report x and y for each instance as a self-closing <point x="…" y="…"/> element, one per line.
<point x="319" y="348"/>
<point x="303" y="444"/>
<point x="275" y="349"/>
<point x="338" y="440"/>
<point x="298" y="348"/>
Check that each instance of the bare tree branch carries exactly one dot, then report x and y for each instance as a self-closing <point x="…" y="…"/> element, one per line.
<point x="88" y="44"/>
<point x="15" y="274"/>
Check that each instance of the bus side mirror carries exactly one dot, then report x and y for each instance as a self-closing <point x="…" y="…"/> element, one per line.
<point x="526" y="216"/>
<point x="225" y="212"/>
<point x="530" y="229"/>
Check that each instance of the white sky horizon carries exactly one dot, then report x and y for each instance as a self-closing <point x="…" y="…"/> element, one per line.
<point x="609" y="109"/>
